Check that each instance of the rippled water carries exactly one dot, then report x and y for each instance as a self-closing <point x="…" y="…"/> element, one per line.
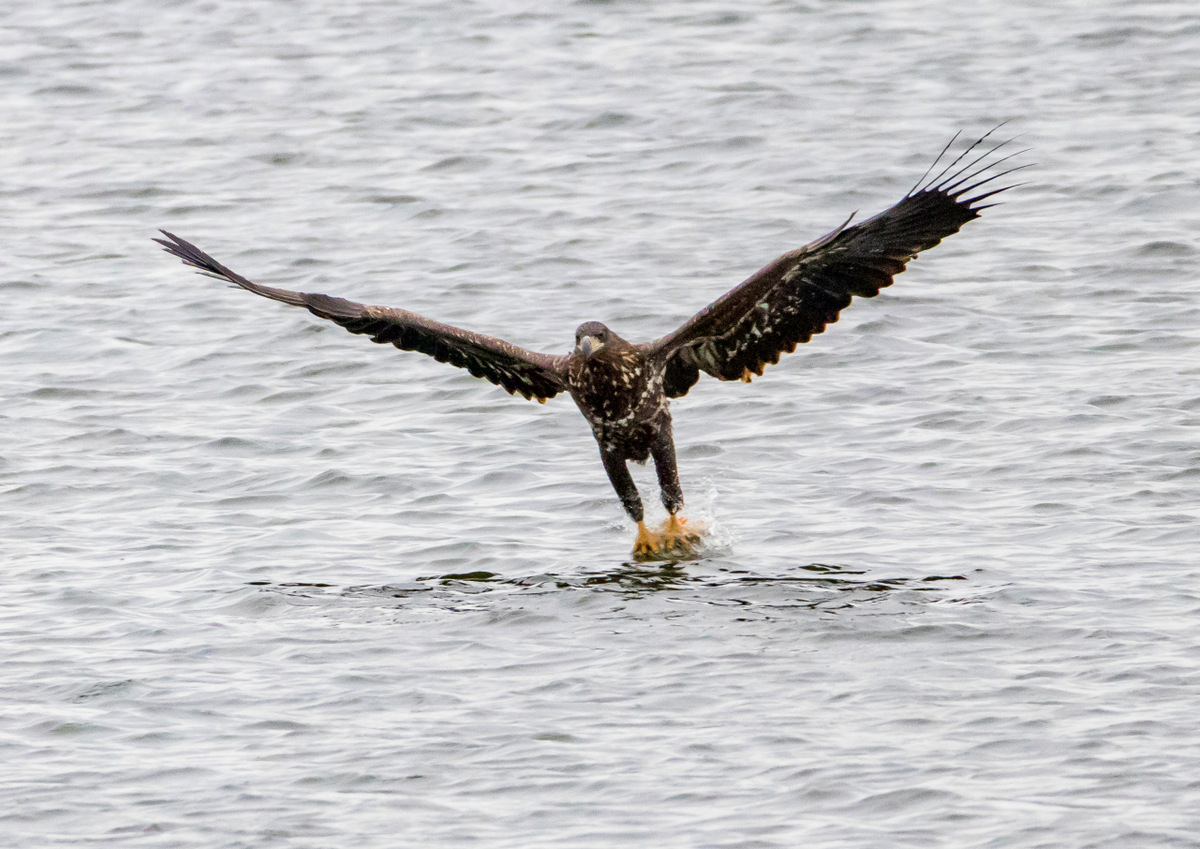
<point x="269" y="585"/>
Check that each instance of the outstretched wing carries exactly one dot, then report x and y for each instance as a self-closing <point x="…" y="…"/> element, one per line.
<point x="801" y="292"/>
<point x="517" y="370"/>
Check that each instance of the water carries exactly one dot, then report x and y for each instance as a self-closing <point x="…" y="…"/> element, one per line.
<point x="269" y="585"/>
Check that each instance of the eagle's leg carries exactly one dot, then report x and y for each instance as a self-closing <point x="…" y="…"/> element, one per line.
<point x="662" y="449"/>
<point x="622" y="481"/>
<point x="674" y="534"/>
<point x="647" y="542"/>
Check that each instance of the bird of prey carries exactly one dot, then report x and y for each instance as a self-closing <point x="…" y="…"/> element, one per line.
<point x="623" y="388"/>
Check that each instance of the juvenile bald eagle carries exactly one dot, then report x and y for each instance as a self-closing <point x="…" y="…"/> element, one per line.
<point x="622" y="387"/>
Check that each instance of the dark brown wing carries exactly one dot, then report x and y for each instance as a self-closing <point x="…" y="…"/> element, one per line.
<point x="527" y="373"/>
<point x="801" y="292"/>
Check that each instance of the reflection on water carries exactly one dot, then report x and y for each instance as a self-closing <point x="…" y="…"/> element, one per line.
<point x="815" y="585"/>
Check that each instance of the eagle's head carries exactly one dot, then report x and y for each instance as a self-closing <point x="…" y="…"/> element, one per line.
<point x="591" y="337"/>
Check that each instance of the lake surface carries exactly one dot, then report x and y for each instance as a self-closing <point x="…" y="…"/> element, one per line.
<point x="267" y="584"/>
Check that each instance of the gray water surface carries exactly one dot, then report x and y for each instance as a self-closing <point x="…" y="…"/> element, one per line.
<point x="267" y="584"/>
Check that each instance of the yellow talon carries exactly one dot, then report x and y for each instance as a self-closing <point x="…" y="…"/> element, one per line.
<point x="647" y="541"/>
<point x="671" y="542"/>
<point x="675" y="534"/>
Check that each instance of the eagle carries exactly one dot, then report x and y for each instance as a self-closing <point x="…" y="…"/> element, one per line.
<point x="624" y="388"/>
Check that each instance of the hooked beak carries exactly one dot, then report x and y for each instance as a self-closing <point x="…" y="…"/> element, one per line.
<point x="589" y="345"/>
